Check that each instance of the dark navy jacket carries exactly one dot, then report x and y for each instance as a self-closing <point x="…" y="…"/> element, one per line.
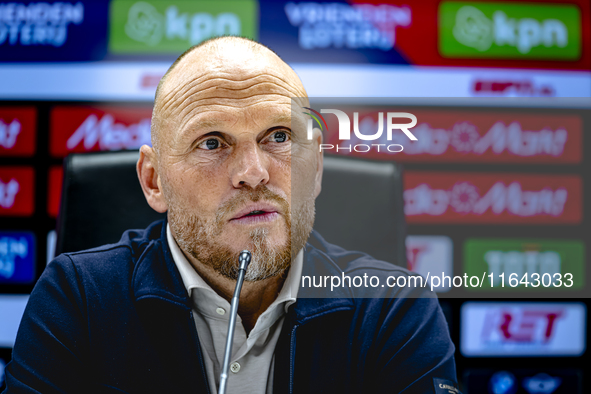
<point x="118" y="319"/>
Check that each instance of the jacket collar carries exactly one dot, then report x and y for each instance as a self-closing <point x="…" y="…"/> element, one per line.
<point x="157" y="276"/>
<point x="316" y="301"/>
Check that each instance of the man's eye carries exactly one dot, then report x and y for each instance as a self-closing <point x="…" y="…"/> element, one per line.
<point x="210" y="144"/>
<point x="279" y="136"/>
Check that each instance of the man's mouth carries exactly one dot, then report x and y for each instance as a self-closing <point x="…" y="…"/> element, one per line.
<point x="256" y="213"/>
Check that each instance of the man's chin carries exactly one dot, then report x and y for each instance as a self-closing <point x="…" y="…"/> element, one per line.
<point x="265" y="263"/>
<point x="259" y="238"/>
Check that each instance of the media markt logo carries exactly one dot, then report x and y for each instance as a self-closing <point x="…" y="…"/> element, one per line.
<point x="173" y="26"/>
<point x="510" y="30"/>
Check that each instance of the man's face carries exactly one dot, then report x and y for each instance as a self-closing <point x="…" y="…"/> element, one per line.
<point x="236" y="169"/>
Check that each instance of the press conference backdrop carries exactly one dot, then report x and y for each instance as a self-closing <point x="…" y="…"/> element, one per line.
<point x="491" y="182"/>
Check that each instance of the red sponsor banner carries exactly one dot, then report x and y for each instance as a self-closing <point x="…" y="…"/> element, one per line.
<point x="85" y="129"/>
<point x="17" y="191"/>
<point x="54" y="192"/>
<point x="18" y="131"/>
<point x="418" y="40"/>
<point x="492" y="198"/>
<point x="465" y="136"/>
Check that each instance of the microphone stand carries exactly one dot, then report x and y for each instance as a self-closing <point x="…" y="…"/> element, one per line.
<point x="244" y="260"/>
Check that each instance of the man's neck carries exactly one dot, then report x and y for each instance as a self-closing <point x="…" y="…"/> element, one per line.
<point x="255" y="297"/>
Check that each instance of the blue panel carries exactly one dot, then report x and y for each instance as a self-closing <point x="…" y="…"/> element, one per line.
<point x="17" y="257"/>
<point x="53" y="31"/>
<point x="326" y="32"/>
<point x="545" y="380"/>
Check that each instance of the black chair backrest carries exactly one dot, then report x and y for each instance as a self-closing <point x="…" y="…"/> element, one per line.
<point x="360" y="206"/>
<point x="101" y="198"/>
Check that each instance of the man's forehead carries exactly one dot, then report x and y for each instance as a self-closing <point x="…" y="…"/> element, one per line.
<point x="227" y="65"/>
<point x="266" y="115"/>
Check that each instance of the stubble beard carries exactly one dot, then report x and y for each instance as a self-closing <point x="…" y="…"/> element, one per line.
<point x="198" y="237"/>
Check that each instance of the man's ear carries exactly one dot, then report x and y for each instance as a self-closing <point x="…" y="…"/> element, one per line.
<point x="319" y="161"/>
<point x="150" y="180"/>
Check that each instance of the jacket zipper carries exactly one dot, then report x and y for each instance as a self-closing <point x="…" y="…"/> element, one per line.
<point x="292" y="358"/>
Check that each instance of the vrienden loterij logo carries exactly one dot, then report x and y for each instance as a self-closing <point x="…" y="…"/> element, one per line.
<point x="345" y="130"/>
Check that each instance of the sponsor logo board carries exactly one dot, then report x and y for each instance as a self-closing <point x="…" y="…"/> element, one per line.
<point x="352" y="26"/>
<point x="17" y="257"/>
<point x="523" y="329"/>
<point x="158" y="26"/>
<point x="492" y="198"/>
<point x="50" y="31"/>
<point x="16" y="191"/>
<point x="523" y="381"/>
<point x="102" y="128"/>
<point x="338" y="31"/>
<point x="470" y="136"/>
<point x="18" y="131"/>
<point x="430" y="254"/>
<point x="421" y="33"/>
<point x="528" y="259"/>
<point x="510" y="30"/>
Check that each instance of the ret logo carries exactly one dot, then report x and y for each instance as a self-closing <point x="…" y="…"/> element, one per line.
<point x="523" y="329"/>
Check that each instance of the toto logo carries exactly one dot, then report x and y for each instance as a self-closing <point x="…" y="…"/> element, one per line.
<point x="345" y="130"/>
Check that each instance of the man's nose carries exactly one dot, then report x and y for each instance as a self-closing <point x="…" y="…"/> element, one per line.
<point x="250" y="166"/>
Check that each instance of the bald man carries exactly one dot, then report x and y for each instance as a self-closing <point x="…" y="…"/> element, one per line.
<point x="233" y="168"/>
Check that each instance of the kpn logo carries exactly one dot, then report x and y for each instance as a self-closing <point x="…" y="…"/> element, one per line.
<point x="162" y="26"/>
<point x="509" y="30"/>
<point x="390" y="125"/>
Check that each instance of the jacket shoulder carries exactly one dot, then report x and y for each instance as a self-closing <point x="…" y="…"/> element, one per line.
<point x="350" y="261"/>
<point x="113" y="260"/>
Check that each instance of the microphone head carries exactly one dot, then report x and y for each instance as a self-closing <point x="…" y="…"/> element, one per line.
<point x="244" y="259"/>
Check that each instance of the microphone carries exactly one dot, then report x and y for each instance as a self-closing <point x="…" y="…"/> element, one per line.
<point x="244" y="260"/>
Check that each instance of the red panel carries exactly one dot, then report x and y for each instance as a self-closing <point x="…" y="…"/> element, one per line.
<point x="475" y="137"/>
<point x="17" y="191"/>
<point x="454" y="197"/>
<point x="85" y="129"/>
<point x="54" y="194"/>
<point x="18" y="131"/>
